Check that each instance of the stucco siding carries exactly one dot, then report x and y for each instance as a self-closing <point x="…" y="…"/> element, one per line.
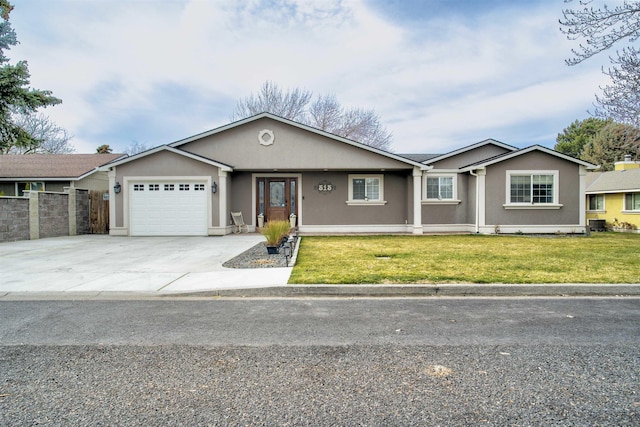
<point x="457" y="213"/>
<point x="470" y="185"/>
<point x="241" y="195"/>
<point x="293" y="149"/>
<point x="332" y="208"/>
<point x="165" y="163"/>
<point x="97" y="181"/>
<point x="568" y="192"/>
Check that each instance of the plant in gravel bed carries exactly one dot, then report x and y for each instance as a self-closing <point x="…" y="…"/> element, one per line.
<point x="274" y="231"/>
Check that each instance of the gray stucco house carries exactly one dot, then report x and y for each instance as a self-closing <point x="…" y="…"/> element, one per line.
<point x="270" y="166"/>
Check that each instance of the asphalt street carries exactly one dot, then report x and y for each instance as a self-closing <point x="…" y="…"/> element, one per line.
<point x="391" y="361"/>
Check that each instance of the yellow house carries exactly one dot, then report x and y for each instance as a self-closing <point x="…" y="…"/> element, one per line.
<point x="614" y="197"/>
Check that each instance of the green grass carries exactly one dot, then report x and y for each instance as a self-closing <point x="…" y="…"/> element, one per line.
<point x="601" y="258"/>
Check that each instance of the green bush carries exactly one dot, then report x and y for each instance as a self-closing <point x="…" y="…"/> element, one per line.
<point x="274" y="231"/>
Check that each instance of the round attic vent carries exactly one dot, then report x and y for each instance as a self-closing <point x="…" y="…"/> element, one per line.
<point x="266" y="137"/>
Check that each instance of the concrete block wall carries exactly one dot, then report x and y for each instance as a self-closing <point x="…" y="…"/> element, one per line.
<point x="53" y="214"/>
<point x="14" y="219"/>
<point x="44" y="214"/>
<point x="83" y="215"/>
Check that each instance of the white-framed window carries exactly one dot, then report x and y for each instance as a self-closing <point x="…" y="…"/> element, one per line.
<point x="154" y="187"/>
<point x="632" y="202"/>
<point x="596" y="202"/>
<point x="138" y="187"/>
<point x="366" y="190"/>
<point x="21" y="187"/>
<point x="198" y="187"/>
<point x="440" y="187"/>
<point x="184" y="187"/>
<point x="168" y="187"/>
<point x="532" y="189"/>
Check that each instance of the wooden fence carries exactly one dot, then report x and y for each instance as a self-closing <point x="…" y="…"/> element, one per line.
<point x="99" y="213"/>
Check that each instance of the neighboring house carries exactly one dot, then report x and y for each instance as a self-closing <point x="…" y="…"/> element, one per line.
<point x="614" y="197"/>
<point x="52" y="172"/>
<point x="270" y="166"/>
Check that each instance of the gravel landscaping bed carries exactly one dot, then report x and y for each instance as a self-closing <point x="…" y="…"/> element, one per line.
<point x="257" y="257"/>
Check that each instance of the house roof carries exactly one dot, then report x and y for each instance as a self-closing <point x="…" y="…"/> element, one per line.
<point x="613" y="181"/>
<point x="420" y="158"/>
<point x="51" y="166"/>
<point x="300" y="126"/>
<point x="506" y="156"/>
<point x="490" y="141"/>
<point x="178" y="151"/>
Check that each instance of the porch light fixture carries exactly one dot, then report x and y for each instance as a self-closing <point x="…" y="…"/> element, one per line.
<point x="214" y="187"/>
<point x="117" y="188"/>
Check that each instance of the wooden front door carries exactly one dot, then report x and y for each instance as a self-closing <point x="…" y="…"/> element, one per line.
<point x="277" y="198"/>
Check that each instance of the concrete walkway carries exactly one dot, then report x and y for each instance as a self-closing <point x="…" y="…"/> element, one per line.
<point x="92" y="264"/>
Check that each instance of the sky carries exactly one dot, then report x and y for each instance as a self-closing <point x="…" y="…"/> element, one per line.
<point x="440" y="74"/>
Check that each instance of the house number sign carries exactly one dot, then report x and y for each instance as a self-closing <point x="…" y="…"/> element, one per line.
<point x="325" y="187"/>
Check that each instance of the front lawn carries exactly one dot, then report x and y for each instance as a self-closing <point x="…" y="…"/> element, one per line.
<point x="601" y="258"/>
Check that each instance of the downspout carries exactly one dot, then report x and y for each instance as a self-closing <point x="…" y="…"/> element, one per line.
<point x="477" y="201"/>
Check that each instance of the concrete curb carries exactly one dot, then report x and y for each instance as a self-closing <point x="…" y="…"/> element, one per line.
<point x="472" y="290"/>
<point x="351" y="291"/>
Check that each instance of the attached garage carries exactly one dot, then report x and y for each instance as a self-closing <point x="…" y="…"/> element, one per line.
<point x="168" y="208"/>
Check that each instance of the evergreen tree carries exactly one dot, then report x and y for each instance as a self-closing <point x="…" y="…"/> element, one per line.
<point x="15" y="94"/>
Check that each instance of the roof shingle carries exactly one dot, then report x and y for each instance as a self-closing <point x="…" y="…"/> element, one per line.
<point x="51" y="165"/>
<point x="614" y="181"/>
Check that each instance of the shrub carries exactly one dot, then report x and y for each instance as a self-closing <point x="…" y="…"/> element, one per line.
<point x="274" y="231"/>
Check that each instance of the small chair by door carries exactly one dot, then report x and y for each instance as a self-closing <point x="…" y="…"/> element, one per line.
<point x="238" y="222"/>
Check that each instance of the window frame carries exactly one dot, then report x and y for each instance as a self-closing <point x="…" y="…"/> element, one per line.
<point x="554" y="204"/>
<point x="596" y="196"/>
<point x="633" y="195"/>
<point x="40" y="184"/>
<point x="439" y="200"/>
<point x="366" y="202"/>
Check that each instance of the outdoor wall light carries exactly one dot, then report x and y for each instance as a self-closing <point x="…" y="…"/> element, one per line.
<point x="214" y="187"/>
<point x="117" y="188"/>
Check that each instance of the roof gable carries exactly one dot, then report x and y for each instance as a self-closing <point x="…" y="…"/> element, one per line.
<point x="52" y="166"/>
<point x="296" y="125"/>
<point x="506" y="156"/>
<point x="168" y="148"/>
<point x="470" y="148"/>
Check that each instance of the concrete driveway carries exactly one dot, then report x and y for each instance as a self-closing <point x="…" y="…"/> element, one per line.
<point x="99" y="263"/>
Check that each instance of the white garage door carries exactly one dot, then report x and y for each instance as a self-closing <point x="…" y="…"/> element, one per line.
<point x="168" y="209"/>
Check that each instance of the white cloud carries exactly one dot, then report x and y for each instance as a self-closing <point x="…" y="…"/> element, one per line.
<point x="444" y="82"/>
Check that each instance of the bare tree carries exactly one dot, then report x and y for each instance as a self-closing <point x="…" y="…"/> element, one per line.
<point x="324" y="113"/>
<point x="600" y="28"/>
<point x="290" y="105"/>
<point x="136" y="147"/>
<point x="621" y="99"/>
<point x="46" y="136"/>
